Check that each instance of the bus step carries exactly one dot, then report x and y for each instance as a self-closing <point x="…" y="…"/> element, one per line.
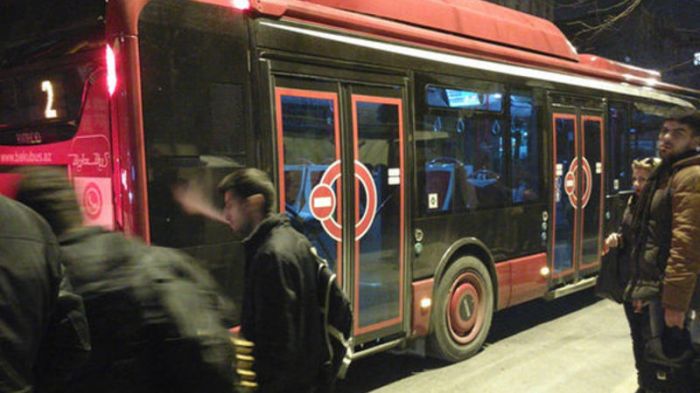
<point x="571" y="288"/>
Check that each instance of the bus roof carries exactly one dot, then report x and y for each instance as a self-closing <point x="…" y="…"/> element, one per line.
<point x="478" y="28"/>
<point x="617" y="67"/>
<point x="470" y="18"/>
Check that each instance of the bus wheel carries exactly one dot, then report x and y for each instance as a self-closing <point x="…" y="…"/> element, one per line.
<point x="462" y="311"/>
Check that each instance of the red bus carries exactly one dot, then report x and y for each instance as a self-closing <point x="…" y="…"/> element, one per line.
<point x="450" y="158"/>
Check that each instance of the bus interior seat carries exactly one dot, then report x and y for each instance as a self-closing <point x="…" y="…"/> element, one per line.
<point x="294" y="178"/>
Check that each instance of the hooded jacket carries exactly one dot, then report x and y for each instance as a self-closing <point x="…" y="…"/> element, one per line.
<point x="683" y="263"/>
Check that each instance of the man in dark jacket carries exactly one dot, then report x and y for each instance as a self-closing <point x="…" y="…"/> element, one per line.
<point x="281" y="313"/>
<point x="669" y="221"/>
<point x="155" y="322"/>
<point x="43" y="333"/>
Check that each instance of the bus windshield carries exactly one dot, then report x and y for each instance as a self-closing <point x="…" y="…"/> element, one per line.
<point x="44" y="106"/>
<point x="49" y="49"/>
<point x="38" y="29"/>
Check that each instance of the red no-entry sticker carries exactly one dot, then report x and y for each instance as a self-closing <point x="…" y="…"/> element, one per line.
<point x="324" y="201"/>
<point x="570" y="181"/>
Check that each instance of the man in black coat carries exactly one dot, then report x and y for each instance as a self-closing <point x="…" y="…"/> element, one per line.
<point x="281" y="313"/>
<point x="155" y="319"/>
<point x="43" y="332"/>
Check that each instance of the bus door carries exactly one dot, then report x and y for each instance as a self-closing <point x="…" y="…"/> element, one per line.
<point x="340" y="150"/>
<point x="577" y="192"/>
<point x="593" y="200"/>
<point x="377" y="135"/>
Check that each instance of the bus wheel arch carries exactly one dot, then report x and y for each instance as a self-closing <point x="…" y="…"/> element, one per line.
<point x="467" y="247"/>
<point x="463" y="306"/>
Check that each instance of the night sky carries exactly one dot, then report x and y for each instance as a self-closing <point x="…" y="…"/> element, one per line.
<point x="658" y="34"/>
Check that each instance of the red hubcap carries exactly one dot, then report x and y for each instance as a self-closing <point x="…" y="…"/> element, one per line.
<point x="465" y="313"/>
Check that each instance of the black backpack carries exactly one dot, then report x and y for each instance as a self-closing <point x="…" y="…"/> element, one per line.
<point x="337" y="323"/>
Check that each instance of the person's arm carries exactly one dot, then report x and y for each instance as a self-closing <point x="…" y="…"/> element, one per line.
<point x="684" y="258"/>
<point x="276" y="338"/>
<point x="618" y="239"/>
<point x="193" y="201"/>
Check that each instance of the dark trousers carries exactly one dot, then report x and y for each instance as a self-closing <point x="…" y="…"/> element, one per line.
<point x="640" y="332"/>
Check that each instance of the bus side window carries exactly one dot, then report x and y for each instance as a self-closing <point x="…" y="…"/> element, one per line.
<point x="461" y="147"/>
<point x="618" y="142"/>
<point x="525" y="163"/>
<point x="633" y="135"/>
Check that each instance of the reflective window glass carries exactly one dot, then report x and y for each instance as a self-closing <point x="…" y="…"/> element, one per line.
<point x="642" y="136"/>
<point x="618" y="131"/>
<point x="379" y="271"/>
<point x="525" y="161"/>
<point x="463" y="161"/>
<point x="195" y="125"/>
<point x="475" y="155"/>
<point x="309" y="142"/>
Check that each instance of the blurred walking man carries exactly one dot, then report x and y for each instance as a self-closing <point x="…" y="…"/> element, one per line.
<point x="153" y="323"/>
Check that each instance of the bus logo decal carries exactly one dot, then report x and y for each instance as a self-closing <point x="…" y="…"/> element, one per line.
<point x="94" y="198"/>
<point x="92" y="201"/>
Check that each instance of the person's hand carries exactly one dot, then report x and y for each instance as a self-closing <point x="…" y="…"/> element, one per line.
<point x="191" y="198"/>
<point x="674" y="318"/>
<point x="613" y="241"/>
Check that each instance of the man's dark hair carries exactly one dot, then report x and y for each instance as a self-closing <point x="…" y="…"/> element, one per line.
<point x="691" y="120"/>
<point x="250" y="181"/>
<point x="49" y="193"/>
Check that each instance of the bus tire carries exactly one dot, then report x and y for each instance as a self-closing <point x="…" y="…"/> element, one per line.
<point x="463" y="310"/>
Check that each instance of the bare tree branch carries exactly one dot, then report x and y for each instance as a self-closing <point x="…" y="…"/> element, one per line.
<point x="608" y="22"/>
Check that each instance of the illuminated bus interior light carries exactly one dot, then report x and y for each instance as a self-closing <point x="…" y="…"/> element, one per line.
<point x="111" y="71"/>
<point x="47" y="88"/>
<point x="241" y="4"/>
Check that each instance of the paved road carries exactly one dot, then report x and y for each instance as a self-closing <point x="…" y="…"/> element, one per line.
<point x="575" y="344"/>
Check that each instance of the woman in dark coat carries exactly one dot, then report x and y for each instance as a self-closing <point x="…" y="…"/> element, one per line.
<point x="624" y="239"/>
